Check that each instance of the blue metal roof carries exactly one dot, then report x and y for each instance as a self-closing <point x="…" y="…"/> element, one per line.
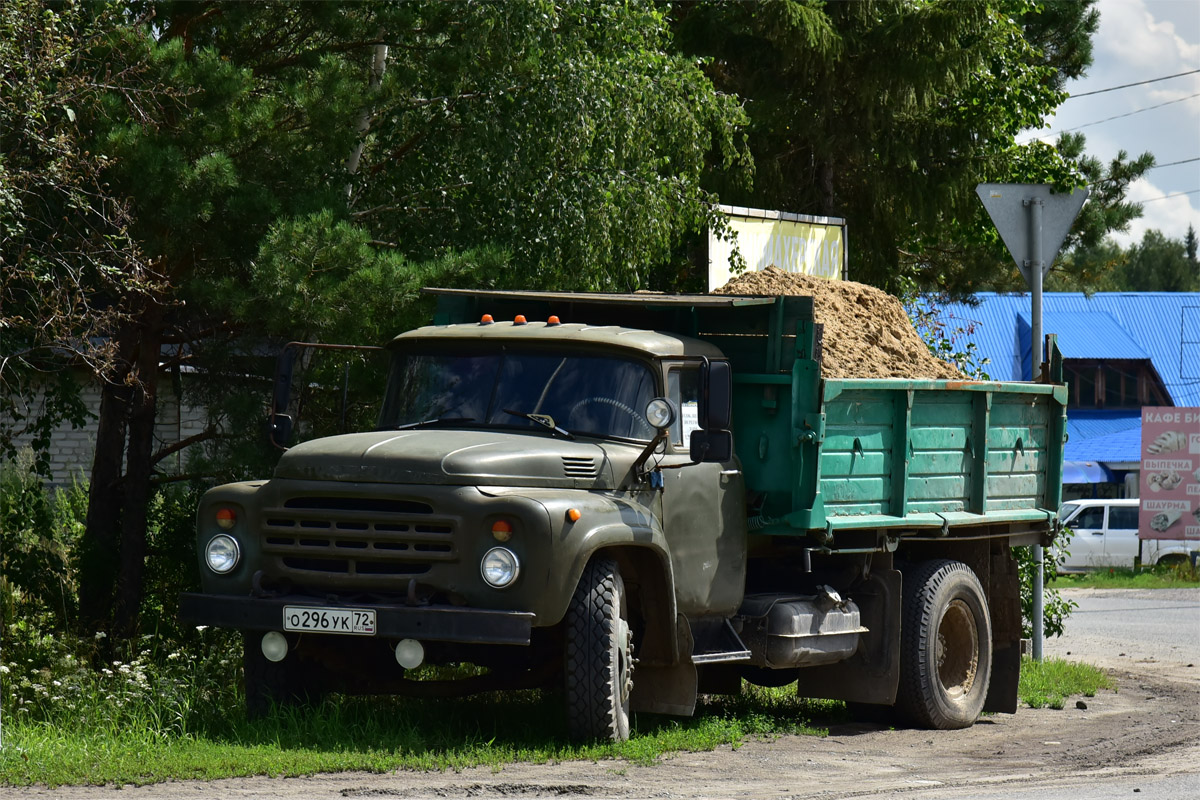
<point x="1161" y="326"/>
<point x="1110" y="435"/>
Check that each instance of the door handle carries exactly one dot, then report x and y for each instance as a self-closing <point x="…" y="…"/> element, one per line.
<point x="729" y="472"/>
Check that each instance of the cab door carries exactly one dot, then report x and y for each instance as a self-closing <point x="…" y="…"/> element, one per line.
<point x="1087" y="544"/>
<point x="1121" y="536"/>
<point x="704" y="512"/>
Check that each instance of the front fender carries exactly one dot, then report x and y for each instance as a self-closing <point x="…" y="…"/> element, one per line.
<point x="625" y="529"/>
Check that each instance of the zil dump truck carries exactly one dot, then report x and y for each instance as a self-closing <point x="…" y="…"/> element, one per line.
<point x="639" y="499"/>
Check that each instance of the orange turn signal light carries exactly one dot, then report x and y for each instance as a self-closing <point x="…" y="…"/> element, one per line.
<point x="226" y="518"/>
<point x="486" y="319"/>
<point x="554" y="320"/>
<point x="502" y="530"/>
<point x="519" y="319"/>
<point x="573" y="514"/>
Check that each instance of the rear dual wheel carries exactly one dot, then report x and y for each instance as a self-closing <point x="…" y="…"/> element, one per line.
<point x="945" y="646"/>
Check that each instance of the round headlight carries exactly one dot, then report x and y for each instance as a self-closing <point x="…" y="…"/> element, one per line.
<point x="660" y="413"/>
<point x="222" y="553"/>
<point x="500" y="567"/>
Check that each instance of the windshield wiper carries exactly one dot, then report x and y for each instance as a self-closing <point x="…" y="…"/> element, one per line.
<point x="545" y="420"/>
<point x="425" y="423"/>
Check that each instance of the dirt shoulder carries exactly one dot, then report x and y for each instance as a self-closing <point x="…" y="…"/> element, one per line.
<point x="1149" y="726"/>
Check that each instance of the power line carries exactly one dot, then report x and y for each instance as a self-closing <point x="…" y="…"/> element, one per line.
<point x="1139" y="83"/>
<point x="1174" y="163"/>
<point x="1164" y="197"/>
<point x="1110" y="119"/>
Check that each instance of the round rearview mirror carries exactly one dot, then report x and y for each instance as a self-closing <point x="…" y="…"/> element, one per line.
<point x="660" y="413"/>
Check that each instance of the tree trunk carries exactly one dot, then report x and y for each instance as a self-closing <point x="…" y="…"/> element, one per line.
<point x="825" y="184"/>
<point x="138" y="470"/>
<point x="99" y="546"/>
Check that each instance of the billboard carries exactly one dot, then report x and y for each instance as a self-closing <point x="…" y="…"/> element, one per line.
<point x="792" y="242"/>
<point x="1170" y="479"/>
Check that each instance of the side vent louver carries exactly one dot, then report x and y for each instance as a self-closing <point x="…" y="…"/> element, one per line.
<point x="579" y="467"/>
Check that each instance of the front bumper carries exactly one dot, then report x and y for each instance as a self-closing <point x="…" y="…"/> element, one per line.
<point x="432" y="623"/>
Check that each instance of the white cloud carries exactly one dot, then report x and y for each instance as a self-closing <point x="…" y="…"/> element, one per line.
<point x="1171" y="215"/>
<point x="1134" y="35"/>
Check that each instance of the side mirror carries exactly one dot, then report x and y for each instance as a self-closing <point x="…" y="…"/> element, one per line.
<point x="711" y="446"/>
<point x="279" y="429"/>
<point x="716" y="395"/>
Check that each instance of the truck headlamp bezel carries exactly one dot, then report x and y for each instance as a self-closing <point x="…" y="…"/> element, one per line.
<point x="500" y="567"/>
<point x="222" y="554"/>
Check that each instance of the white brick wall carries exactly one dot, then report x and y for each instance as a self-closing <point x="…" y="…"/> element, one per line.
<point x="72" y="449"/>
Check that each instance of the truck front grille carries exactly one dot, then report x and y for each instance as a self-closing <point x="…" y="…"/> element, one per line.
<point x="356" y="536"/>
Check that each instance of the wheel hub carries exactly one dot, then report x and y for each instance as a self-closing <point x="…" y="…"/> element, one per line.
<point x="624" y="660"/>
<point x="957" y="649"/>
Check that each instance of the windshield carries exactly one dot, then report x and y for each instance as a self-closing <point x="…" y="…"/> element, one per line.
<point x="591" y="395"/>
<point x="1066" y="510"/>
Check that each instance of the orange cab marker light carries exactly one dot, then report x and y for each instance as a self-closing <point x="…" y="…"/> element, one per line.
<point x="553" y="321"/>
<point x="573" y="514"/>
<point x="502" y="530"/>
<point x="226" y="518"/>
<point x="519" y="319"/>
<point x="486" y="319"/>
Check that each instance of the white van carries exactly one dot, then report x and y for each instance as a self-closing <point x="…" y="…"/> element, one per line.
<point x="1106" y="535"/>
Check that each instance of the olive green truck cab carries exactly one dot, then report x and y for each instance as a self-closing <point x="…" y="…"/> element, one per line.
<point x="657" y="496"/>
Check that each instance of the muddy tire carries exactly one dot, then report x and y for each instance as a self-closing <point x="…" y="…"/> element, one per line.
<point x="599" y="655"/>
<point x="271" y="684"/>
<point x="945" y="646"/>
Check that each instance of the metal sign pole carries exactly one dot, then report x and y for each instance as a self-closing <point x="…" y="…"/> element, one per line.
<point x="1033" y="252"/>
<point x="1035" y="274"/>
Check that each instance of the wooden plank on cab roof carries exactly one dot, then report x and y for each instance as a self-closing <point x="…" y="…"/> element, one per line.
<point x="639" y="298"/>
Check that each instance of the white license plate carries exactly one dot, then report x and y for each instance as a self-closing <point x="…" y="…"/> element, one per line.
<point x="360" y="621"/>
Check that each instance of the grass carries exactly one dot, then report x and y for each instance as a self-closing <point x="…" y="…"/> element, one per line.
<point x="1048" y="683"/>
<point x="382" y="735"/>
<point x="1178" y="576"/>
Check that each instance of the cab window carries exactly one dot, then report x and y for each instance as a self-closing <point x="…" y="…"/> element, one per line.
<point x="683" y="389"/>
<point x="1122" y="518"/>
<point x="1091" y="518"/>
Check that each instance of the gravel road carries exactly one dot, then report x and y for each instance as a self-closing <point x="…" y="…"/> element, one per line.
<point x="1143" y="739"/>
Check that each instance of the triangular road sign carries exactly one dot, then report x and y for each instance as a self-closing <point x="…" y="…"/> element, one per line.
<point x="1008" y="206"/>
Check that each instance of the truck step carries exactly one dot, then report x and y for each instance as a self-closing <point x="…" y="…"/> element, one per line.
<point x="716" y="642"/>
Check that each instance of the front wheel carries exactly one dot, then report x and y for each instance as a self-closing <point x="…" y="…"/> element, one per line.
<point x="945" y="646"/>
<point x="599" y="655"/>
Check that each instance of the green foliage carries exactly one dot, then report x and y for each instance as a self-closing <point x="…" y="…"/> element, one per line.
<point x="943" y="336"/>
<point x="1159" y="264"/>
<point x="63" y="239"/>
<point x="1047" y="683"/>
<point x="1055" y="607"/>
<point x="37" y="534"/>
<point x="153" y="714"/>
<point x="889" y="114"/>
<point x="1176" y="574"/>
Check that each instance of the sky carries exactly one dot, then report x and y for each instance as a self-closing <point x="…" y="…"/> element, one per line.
<point x="1140" y="40"/>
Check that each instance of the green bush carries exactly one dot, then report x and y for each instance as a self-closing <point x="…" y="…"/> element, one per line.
<point x="38" y="531"/>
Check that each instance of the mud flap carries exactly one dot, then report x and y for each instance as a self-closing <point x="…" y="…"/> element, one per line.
<point x="668" y="688"/>
<point x="1004" y="602"/>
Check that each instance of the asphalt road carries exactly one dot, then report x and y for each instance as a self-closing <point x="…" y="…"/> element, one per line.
<point x="1111" y="627"/>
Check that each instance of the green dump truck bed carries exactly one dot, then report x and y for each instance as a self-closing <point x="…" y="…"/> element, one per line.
<point x="841" y="454"/>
